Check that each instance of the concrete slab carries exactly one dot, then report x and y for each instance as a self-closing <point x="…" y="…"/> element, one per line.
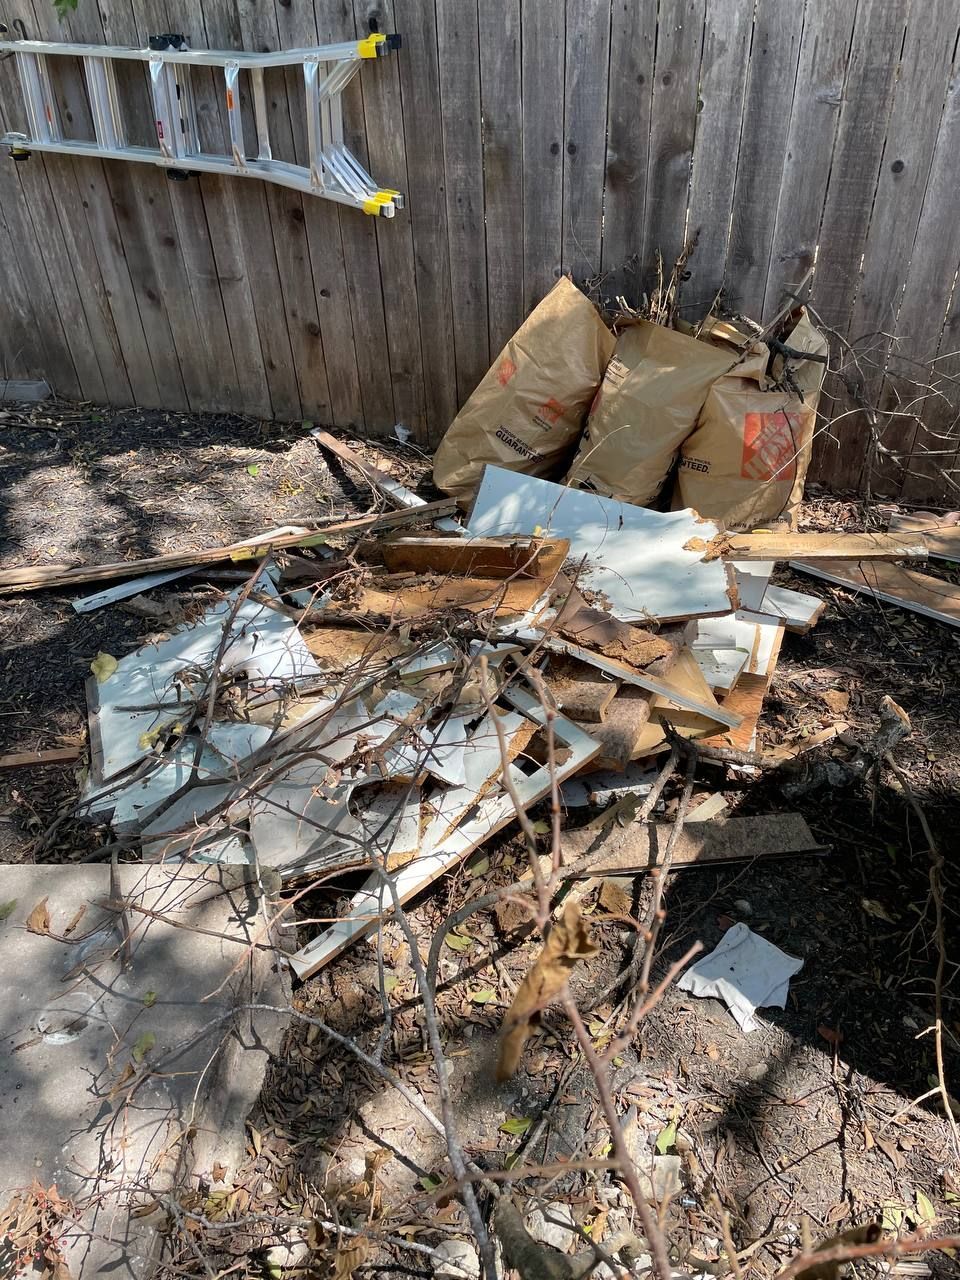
<point x="124" y="1075"/>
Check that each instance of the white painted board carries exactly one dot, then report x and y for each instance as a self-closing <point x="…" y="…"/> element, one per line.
<point x="634" y="558"/>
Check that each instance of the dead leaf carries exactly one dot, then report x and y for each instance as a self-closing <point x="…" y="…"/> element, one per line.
<point x="868" y="1141"/>
<point x="831" y="1035"/>
<point x="75" y="920"/>
<point x="143" y="1046"/>
<point x="614" y="897"/>
<point x="567" y="943"/>
<point x="836" y="700"/>
<point x="38" y="921"/>
<point x="219" y="1171"/>
<point x="349" y="1257"/>
<point x="877" y="910"/>
<point x="7" y="908"/>
<point x="103" y="666"/>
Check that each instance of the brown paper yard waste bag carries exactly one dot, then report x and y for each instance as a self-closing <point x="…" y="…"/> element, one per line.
<point x="747" y="461"/>
<point x="647" y="405"/>
<point x="527" y="413"/>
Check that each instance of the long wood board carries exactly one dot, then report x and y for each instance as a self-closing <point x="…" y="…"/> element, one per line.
<point x="918" y="592"/>
<point x="36" y="577"/>
<point x="823" y="546"/>
<point x="639" y="847"/>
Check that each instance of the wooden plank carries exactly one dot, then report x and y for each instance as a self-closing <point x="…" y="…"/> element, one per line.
<point x="917" y="592"/>
<point x="459" y="62"/>
<point x="799" y="612"/>
<point x="633" y="35"/>
<point x="361" y="262"/>
<point x="542" y="59"/>
<point x="824" y="546"/>
<point x="763" y="146"/>
<point x="243" y="246"/>
<point x="918" y="94"/>
<point x="867" y="97"/>
<point x="477" y="557"/>
<point x="259" y="30"/>
<point x="386" y="147"/>
<point x="584" y="128"/>
<point x="723" y="80"/>
<point x="32" y="759"/>
<point x="501" y="105"/>
<point x="673" y="125"/>
<point x="926" y="301"/>
<point x="619" y="734"/>
<point x="641" y="846"/>
<point x="32" y="577"/>
<point x="808" y="150"/>
<point x="329" y="231"/>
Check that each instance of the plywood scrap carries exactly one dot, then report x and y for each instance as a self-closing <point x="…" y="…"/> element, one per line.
<point x="594" y="629"/>
<point x="475" y="557"/>
<point x="38" y="577"/>
<point x="774" y="545"/>
<point x="918" y="592"/>
<point x="398" y="602"/>
<point x="640" y="846"/>
<point x="34" y="759"/>
<point x="711" y="807"/>
<point x="635" y="559"/>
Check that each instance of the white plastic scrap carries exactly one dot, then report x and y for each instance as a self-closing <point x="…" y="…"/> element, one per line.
<point x="746" y="972"/>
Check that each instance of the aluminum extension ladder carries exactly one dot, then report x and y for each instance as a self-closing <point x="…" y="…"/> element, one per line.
<point x="333" y="172"/>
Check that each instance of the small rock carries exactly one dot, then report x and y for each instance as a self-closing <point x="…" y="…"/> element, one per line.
<point x="743" y="907"/>
<point x="461" y="1254"/>
<point x="547" y="1232"/>
<point x="756" y="1070"/>
<point x="290" y="1255"/>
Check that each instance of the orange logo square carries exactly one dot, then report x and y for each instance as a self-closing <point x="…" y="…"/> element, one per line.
<point x="771" y="442"/>
<point x="552" y="410"/>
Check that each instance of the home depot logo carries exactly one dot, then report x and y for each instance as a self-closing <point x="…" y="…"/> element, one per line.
<point x="770" y="445"/>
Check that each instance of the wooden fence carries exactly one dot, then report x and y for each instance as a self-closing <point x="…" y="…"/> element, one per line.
<point x="531" y="137"/>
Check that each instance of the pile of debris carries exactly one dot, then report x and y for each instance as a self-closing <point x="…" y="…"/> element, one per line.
<point x="388" y="704"/>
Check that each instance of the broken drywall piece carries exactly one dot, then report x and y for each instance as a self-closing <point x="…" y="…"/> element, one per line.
<point x="633" y="558"/>
<point x="123" y="590"/>
<point x="919" y="592"/>
<point x="264" y="647"/>
<point x="368" y="907"/>
<point x="753" y="579"/>
<point x="798" y="611"/>
<point x="721" y="667"/>
<point x="746" y="972"/>
<point x="390" y="822"/>
<point x="296" y="815"/>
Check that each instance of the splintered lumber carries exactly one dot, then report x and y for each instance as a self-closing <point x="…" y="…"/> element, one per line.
<point x="637" y="848"/>
<point x="397" y="494"/>
<point x="475" y="557"/>
<point x="37" y="577"/>
<point x="819" y="546"/>
<point x="31" y="759"/>
<point x="918" y="592"/>
<point x="580" y="691"/>
<point x="623" y="724"/>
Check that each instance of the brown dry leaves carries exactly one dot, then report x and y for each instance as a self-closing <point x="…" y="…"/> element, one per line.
<point x="38" y="921"/>
<point x="567" y="943"/>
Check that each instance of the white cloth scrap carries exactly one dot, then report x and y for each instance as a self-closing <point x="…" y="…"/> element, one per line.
<point x="746" y="972"/>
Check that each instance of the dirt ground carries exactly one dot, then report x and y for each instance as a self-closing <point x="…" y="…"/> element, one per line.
<point x="812" y="1116"/>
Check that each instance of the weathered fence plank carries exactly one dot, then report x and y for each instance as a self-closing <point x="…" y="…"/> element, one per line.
<point x="584" y="135"/>
<point x="543" y="32"/>
<point x="766" y="119"/>
<point x="502" y="106"/>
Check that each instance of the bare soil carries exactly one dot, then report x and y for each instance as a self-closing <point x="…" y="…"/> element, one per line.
<point x="813" y="1115"/>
